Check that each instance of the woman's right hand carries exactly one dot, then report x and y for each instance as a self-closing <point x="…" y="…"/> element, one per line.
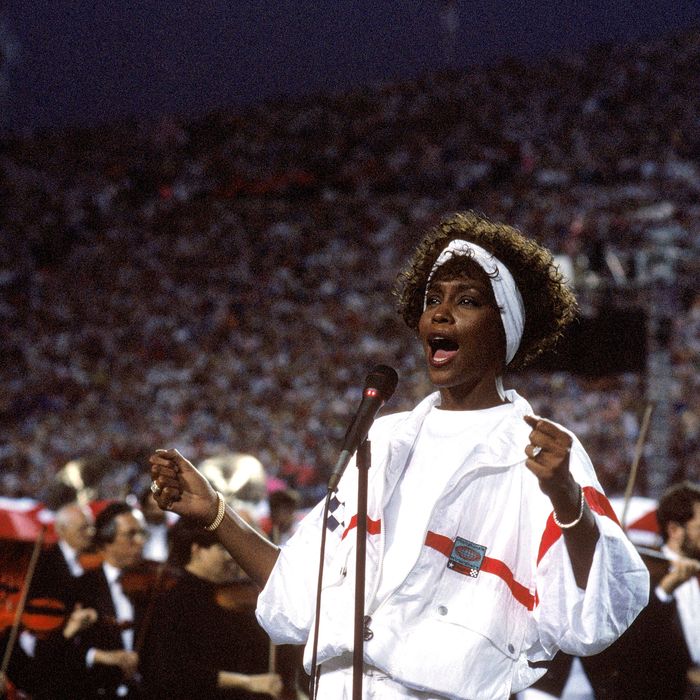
<point x="181" y="488"/>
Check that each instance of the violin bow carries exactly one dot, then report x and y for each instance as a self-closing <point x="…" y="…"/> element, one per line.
<point x="272" y="658"/>
<point x="151" y="605"/>
<point x="22" y="601"/>
<point x="641" y="439"/>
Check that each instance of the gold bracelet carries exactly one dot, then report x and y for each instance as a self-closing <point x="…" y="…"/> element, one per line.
<point x="219" y="514"/>
<point x="566" y="526"/>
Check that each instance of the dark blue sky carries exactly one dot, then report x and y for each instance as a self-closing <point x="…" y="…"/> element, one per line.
<point x="92" y="61"/>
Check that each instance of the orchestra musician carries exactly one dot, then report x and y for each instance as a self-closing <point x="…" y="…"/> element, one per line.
<point x="204" y="641"/>
<point x="158" y="523"/>
<point x="100" y="661"/>
<point x="52" y="585"/>
<point x="284" y="505"/>
<point x="60" y="565"/>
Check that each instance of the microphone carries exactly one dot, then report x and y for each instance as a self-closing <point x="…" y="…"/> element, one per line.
<point x="379" y="386"/>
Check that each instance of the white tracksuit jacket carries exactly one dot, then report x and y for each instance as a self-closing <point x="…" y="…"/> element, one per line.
<point x="491" y="590"/>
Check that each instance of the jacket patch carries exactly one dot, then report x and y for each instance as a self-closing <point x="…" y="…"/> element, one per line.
<point x="466" y="557"/>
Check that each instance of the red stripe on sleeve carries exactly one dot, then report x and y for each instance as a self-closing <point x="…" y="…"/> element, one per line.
<point x="597" y="502"/>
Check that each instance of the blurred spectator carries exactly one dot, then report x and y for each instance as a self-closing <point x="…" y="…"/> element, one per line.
<point x="264" y="227"/>
<point x="284" y="509"/>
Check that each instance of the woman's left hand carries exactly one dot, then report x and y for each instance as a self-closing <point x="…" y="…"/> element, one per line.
<point x="548" y="456"/>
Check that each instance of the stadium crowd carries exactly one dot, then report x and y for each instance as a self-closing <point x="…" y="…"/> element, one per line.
<point x="223" y="282"/>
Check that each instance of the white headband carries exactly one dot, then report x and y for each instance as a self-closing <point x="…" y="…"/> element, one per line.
<point x="506" y="292"/>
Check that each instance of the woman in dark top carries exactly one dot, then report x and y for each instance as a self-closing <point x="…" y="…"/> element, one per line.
<point x="203" y="640"/>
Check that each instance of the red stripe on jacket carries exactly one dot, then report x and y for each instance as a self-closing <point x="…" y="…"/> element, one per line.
<point x="444" y="545"/>
<point x="374" y="527"/>
<point x="597" y="502"/>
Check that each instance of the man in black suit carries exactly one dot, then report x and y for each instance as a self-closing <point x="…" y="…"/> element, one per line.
<point x="102" y="658"/>
<point x="60" y="565"/>
<point x="54" y="578"/>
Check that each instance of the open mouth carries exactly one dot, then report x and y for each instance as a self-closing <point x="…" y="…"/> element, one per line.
<point x="442" y="349"/>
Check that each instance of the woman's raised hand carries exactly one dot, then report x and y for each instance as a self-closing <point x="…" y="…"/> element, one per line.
<point x="179" y="487"/>
<point x="548" y="455"/>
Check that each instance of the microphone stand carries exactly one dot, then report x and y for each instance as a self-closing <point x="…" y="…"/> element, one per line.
<point x="315" y="668"/>
<point x="363" y="461"/>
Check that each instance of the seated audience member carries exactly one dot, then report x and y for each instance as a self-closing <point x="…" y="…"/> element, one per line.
<point x="204" y="640"/>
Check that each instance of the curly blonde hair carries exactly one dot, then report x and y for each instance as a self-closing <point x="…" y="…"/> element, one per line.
<point x="549" y="304"/>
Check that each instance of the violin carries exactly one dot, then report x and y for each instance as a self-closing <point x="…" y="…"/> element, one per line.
<point x="148" y="579"/>
<point x="237" y="595"/>
<point x="21" y="603"/>
<point x="657" y="563"/>
<point x="43" y="615"/>
<point x="90" y="559"/>
<point x="40" y="616"/>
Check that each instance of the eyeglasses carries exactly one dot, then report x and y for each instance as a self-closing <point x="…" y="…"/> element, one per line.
<point x="133" y="534"/>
